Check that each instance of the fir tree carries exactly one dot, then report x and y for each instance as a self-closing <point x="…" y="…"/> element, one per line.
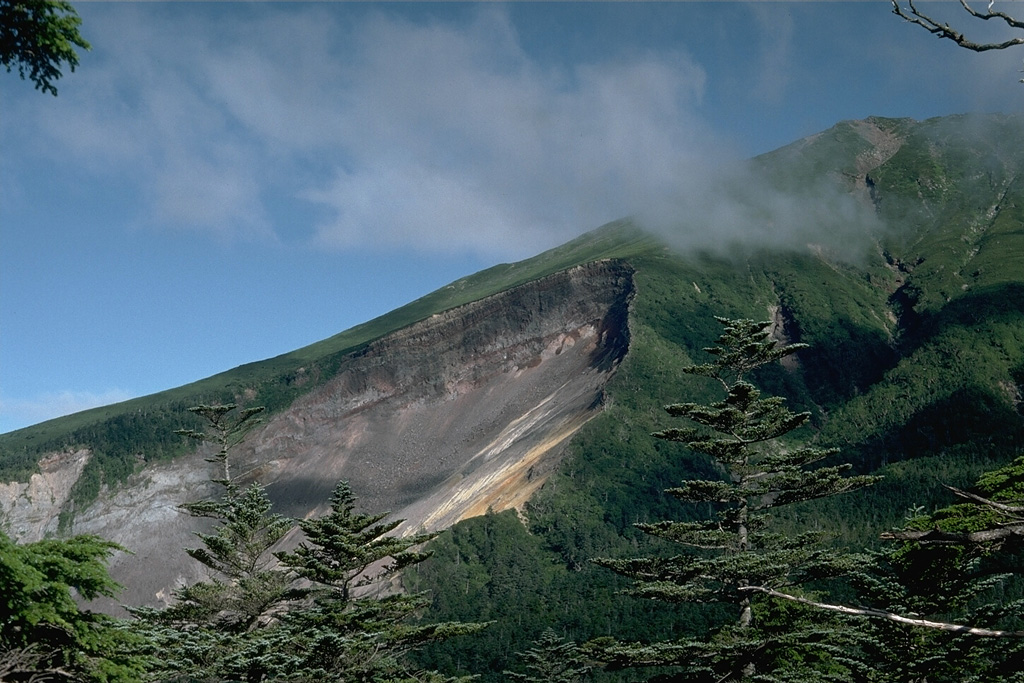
<point x="345" y="550"/>
<point x="216" y="629"/>
<point x="44" y="634"/>
<point x="735" y="553"/>
<point x="943" y="605"/>
<point x="346" y="630"/>
<point x="249" y="586"/>
<point x="552" y="660"/>
<point x="304" y="615"/>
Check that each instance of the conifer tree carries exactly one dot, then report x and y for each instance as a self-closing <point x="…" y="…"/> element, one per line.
<point x="347" y="631"/>
<point x="943" y="605"/>
<point x="345" y="550"/>
<point x="288" y="616"/>
<point x="743" y="434"/>
<point x="239" y="548"/>
<point x="214" y="630"/>
<point x="552" y="660"/>
<point x="44" y="634"/>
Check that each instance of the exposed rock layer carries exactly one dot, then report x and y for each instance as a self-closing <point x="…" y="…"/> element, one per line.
<point x="464" y="411"/>
<point x="31" y="510"/>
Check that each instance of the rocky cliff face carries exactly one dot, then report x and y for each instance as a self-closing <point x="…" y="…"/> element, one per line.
<point x="31" y="510"/>
<point x="462" y="412"/>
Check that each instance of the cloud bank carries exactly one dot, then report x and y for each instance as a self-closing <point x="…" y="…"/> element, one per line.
<point x="430" y="135"/>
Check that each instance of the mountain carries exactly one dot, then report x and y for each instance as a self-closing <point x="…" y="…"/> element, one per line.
<point x="515" y="405"/>
<point x="445" y="418"/>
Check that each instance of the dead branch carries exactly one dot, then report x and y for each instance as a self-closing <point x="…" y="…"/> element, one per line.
<point x="937" y="536"/>
<point x="989" y="14"/>
<point x="1002" y="507"/>
<point x="28" y="661"/>
<point x="1014" y="526"/>
<point x="944" y="30"/>
<point x="891" y="616"/>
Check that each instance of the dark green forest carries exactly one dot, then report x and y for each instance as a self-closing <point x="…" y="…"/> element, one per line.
<point x="913" y="371"/>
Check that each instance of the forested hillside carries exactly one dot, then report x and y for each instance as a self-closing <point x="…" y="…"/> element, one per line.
<point x="915" y="370"/>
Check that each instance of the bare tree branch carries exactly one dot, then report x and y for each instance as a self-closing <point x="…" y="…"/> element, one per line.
<point x="938" y="536"/>
<point x="944" y="30"/>
<point x="1010" y="21"/>
<point x="1002" y="507"/>
<point x="28" y="661"/>
<point x="1014" y="526"/>
<point x="891" y="616"/>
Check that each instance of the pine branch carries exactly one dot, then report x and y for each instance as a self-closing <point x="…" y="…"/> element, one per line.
<point x="891" y="616"/>
<point x="1009" y="529"/>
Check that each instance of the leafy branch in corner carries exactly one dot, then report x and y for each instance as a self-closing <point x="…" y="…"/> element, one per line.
<point x="37" y="36"/>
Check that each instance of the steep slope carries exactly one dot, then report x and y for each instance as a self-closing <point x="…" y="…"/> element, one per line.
<point x="119" y="433"/>
<point x="460" y="413"/>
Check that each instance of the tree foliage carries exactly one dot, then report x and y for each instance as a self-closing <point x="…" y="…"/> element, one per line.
<point x="941" y="606"/>
<point x="317" y="612"/>
<point x="44" y="634"/>
<point x="736" y="549"/>
<point x="552" y="660"/>
<point x="949" y="590"/>
<point x="351" y="625"/>
<point x="346" y="550"/>
<point x="37" y="37"/>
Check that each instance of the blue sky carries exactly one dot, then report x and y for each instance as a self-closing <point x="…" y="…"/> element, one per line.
<point x="222" y="183"/>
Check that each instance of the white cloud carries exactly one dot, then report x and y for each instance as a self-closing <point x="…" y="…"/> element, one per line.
<point x="18" y="413"/>
<point x="141" y="113"/>
<point x="431" y="135"/>
<point x="462" y="136"/>
<point x="440" y="136"/>
<point x="775" y="59"/>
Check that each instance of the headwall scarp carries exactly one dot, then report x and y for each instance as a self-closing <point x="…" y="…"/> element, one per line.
<point x="463" y="412"/>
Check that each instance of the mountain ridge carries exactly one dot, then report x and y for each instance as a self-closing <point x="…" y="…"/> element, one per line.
<point x="916" y="364"/>
<point x="458" y="414"/>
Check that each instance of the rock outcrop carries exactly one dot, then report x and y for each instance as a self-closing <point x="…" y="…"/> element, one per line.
<point x="31" y="510"/>
<point x="463" y="412"/>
